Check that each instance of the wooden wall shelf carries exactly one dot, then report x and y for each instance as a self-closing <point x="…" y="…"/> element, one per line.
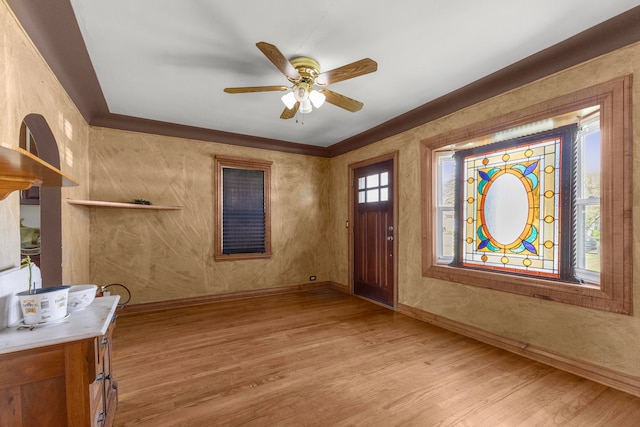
<point x="104" y="204"/>
<point x="19" y="170"/>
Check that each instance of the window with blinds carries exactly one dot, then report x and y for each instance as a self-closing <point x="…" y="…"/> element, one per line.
<point x="242" y="211"/>
<point x="243" y="223"/>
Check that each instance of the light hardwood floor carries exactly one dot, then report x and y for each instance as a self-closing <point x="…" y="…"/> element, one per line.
<point x="323" y="358"/>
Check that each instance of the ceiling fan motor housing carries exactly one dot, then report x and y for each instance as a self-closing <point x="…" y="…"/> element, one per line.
<point x="308" y="68"/>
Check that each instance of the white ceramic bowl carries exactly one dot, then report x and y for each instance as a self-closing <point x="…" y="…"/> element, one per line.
<point x="80" y="296"/>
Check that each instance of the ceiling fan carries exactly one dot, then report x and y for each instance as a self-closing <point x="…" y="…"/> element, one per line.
<point x="304" y="73"/>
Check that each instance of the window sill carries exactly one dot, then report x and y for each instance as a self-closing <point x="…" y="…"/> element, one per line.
<point x="584" y="295"/>
<point x="241" y="257"/>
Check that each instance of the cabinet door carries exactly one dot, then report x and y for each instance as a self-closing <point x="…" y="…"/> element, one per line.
<point x="102" y="389"/>
<point x="96" y="388"/>
<point x="110" y="387"/>
<point x="98" y="414"/>
<point x="24" y="388"/>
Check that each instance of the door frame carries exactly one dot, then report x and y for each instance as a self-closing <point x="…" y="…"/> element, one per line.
<point x="50" y="202"/>
<point x="394" y="199"/>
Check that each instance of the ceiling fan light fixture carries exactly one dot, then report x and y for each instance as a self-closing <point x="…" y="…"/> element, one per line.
<point x="289" y="100"/>
<point x="301" y="93"/>
<point x="305" y="106"/>
<point x="317" y="98"/>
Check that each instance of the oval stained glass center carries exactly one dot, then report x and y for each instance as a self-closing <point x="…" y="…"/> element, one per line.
<point x="506" y="209"/>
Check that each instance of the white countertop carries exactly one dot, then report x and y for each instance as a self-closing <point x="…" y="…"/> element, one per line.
<point x="91" y="322"/>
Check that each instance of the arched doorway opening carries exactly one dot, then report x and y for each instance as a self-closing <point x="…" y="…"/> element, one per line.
<point x="50" y="200"/>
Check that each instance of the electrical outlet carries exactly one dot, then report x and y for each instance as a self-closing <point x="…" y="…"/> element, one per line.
<point x="312" y="278"/>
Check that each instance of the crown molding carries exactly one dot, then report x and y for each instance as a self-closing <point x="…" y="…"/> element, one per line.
<point x="52" y="27"/>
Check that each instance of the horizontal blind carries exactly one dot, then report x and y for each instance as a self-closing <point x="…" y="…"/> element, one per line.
<point x="243" y="216"/>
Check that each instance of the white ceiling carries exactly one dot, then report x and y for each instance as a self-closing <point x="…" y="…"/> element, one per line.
<point x="170" y="60"/>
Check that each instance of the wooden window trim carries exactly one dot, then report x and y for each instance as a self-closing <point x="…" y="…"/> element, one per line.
<point x="221" y="162"/>
<point x="615" y="291"/>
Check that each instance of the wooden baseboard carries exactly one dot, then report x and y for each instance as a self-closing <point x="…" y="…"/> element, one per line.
<point x="207" y="299"/>
<point x="339" y="287"/>
<point x="606" y="376"/>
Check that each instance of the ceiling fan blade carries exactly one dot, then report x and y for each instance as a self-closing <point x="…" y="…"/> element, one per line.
<point x="255" y="89"/>
<point x="349" y="71"/>
<point x="289" y="113"/>
<point x="341" y="100"/>
<point x="279" y="60"/>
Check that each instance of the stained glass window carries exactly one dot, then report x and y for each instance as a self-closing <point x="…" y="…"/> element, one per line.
<point x="514" y="205"/>
<point x="511" y="208"/>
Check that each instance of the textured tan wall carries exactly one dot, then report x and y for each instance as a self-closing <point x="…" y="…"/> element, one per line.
<point x="163" y="255"/>
<point x="609" y="340"/>
<point x="29" y="86"/>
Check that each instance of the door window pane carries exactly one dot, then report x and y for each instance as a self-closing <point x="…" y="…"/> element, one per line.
<point x="375" y="188"/>
<point x="384" y="194"/>
<point x="372" y="181"/>
<point x="384" y="179"/>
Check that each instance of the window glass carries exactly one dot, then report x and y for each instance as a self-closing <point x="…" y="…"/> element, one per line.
<point x="384" y="179"/>
<point x="372" y="181"/>
<point x="243" y="225"/>
<point x="373" y="188"/>
<point x="512" y="207"/>
<point x="384" y="194"/>
<point x="243" y="214"/>
<point x="588" y="200"/>
<point x="445" y="206"/>
<point x="362" y="182"/>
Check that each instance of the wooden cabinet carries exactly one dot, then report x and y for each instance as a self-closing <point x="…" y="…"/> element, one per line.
<point x="103" y="391"/>
<point x="70" y="384"/>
